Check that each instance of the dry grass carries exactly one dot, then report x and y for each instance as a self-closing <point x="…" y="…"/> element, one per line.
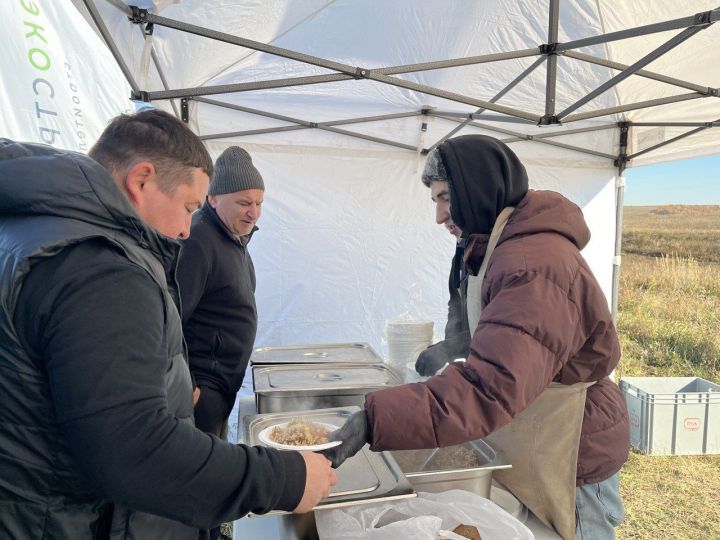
<point x="669" y="325"/>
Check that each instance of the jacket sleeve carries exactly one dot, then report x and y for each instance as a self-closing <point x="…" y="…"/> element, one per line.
<point x="525" y="334"/>
<point x="192" y="275"/>
<point x="100" y="334"/>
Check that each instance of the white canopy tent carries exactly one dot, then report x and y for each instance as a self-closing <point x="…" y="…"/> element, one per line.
<point x="338" y="101"/>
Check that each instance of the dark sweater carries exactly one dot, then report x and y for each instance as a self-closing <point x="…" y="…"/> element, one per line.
<point x="217" y="289"/>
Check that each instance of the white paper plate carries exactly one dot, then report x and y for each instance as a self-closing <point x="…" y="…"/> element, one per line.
<point x="264" y="437"/>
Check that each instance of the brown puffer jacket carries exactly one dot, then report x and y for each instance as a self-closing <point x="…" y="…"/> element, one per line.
<point x="544" y="319"/>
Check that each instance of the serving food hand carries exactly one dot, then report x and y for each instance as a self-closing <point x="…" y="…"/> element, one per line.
<point x="319" y="478"/>
<point x="354" y="434"/>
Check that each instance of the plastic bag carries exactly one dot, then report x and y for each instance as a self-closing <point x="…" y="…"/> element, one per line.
<point x="420" y="518"/>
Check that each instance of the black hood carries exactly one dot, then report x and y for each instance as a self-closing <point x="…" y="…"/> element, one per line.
<point x="485" y="176"/>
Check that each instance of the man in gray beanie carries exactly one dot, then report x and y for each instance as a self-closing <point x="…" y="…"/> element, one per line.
<point x="457" y="335"/>
<point x="217" y="287"/>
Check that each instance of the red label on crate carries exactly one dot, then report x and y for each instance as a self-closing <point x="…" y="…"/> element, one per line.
<point x="691" y="424"/>
<point x="634" y="419"/>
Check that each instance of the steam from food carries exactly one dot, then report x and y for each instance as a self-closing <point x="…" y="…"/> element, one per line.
<point x="299" y="432"/>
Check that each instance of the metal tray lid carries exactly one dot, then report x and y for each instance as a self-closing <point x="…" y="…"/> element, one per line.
<point x="364" y="478"/>
<point x="322" y="353"/>
<point x="324" y="377"/>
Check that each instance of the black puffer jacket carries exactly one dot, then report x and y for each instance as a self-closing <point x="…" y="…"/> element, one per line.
<point x="96" y="432"/>
<point x="217" y="287"/>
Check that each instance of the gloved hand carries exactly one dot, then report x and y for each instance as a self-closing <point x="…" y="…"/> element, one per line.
<point x="431" y="360"/>
<point x="354" y="434"/>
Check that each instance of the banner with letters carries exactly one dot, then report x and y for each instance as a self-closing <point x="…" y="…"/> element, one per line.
<point x="60" y="85"/>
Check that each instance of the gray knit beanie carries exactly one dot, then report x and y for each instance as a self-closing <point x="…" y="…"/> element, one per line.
<point x="434" y="170"/>
<point x="234" y="171"/>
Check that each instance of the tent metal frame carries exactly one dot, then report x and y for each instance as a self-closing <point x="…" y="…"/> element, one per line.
<point x="545" y="53"/>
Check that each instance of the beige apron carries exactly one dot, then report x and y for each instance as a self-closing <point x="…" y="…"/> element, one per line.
<point x="542" y="441"/>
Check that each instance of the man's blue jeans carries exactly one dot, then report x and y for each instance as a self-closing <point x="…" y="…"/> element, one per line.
<point x="598" y="509"/>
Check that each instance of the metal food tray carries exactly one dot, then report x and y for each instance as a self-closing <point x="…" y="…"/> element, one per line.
<point x="287" y="388"/>
<point x="441" y="469"/>
<point x="320" y="353"/>
<point x="367" y="477"/>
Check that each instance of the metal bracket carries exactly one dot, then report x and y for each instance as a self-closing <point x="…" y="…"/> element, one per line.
<point x="148" y="29"/>
<point x="549" y="120"/>
<point x="548" y="48"/>
<point x="703" y="18"/>
<point x="361" y="73"/>
<point x="713" y="92"/>
<point x="184" y="110"/>
<point x="140" y="95"/>
<point x="425" y="151"/>
<point x="139" y="16"/>
<point x="621" y="161"/>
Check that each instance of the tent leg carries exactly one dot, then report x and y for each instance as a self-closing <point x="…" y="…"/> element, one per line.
<point x="620" y="185"/>
<point x="619" y="201"/>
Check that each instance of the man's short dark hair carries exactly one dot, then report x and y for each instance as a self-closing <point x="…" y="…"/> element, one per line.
<point x="157" y="137"/>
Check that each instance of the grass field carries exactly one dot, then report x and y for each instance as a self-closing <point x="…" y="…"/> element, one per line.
<point x="669" y="325"/>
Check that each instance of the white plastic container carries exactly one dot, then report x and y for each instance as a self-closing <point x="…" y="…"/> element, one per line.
<point x="673" y="415"/>
<point x="406" y="339"/>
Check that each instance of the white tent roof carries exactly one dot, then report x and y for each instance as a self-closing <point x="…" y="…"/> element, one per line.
<point x="377" y="34"/>
<point x="347" y="239"/>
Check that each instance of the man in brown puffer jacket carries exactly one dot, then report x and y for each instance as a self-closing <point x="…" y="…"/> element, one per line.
<point x="544" y="320"/>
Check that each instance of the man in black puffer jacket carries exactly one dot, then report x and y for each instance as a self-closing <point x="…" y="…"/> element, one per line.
<point x="96" y="429"/>
<point x="217" y="287"/>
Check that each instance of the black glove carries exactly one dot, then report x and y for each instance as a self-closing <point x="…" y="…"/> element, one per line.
<point x="431" y="360"/>
<point x="354" y="434"/>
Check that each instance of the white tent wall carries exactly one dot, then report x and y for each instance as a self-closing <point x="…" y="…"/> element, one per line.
<point x="52" y="91"/>
<point x="348" y="240"/>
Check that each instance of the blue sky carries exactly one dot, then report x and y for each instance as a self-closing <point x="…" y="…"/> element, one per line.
<point x="692" y="181"/>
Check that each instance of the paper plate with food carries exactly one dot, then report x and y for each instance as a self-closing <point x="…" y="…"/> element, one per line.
<point x="299" y="434"/>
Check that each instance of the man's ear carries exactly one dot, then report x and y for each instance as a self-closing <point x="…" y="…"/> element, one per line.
<point x="212" y="199"/>
<point x="138" y="179"/>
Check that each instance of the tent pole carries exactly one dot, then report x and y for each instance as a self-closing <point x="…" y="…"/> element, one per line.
<point x="552" y="134"/>
<point x="457" y="62"/>
<point x="522" y="137"/>
<point x="97" y="19"/>
<point x="456" y="116"/>
<point x="716" y="123"/>
<point x="633" y="106"/>
<point x="645" y="60"/>
<point x="303" y="124"/>
<point x="500" y="94"/>
<point x="640" y="73"/>
<point x="703" y="18"/>
<point x="621" y="164"/>
<point x="452" y="96"/>
<point x="669" y="141"/>
<point x="549" y="51"/>
<point x="245" y="87"/>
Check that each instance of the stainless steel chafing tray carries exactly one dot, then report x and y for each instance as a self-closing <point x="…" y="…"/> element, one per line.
<point x="322" y="353"/>
<point x="367" y="477"/>
<point x="287" y="388"/>
<point x="467" y="466"/>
